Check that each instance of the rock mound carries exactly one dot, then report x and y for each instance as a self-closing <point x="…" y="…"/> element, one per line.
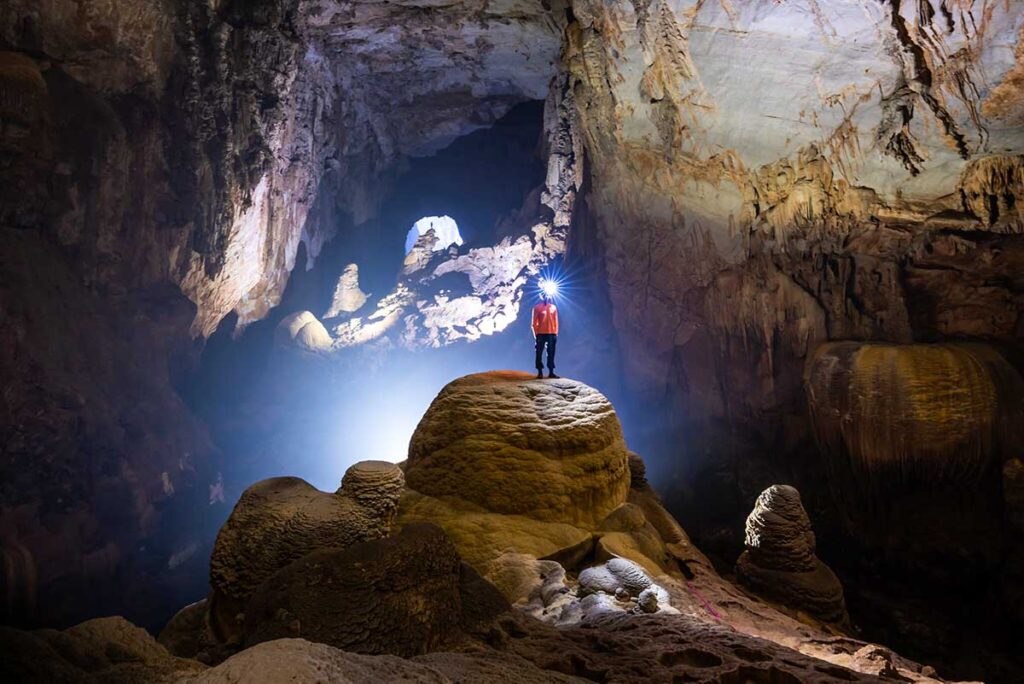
<point x="303" y="330"/>
<point x="109" y="649"/>
<point x="549" y="450"/>
<point x="505" y="462"/>
<point x="279" y="520"/>
<point x="779" y="561"/>
<point x="405" y="595"/>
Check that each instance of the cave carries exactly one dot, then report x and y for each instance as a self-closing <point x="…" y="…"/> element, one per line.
<point x="271" y="277"/>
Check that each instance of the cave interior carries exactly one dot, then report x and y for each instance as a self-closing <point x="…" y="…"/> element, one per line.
<point x="254" y="426"/>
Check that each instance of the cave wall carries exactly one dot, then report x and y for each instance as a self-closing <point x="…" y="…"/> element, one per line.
<point x="761" y="178"/>
<point x="770" y="176"/>
<point x="162" y="162"/>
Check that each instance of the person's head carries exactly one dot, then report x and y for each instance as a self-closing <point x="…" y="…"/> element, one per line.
<point x="545" y="297"/>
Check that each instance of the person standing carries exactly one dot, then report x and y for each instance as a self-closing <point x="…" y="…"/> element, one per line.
<point x="545" y="332"/>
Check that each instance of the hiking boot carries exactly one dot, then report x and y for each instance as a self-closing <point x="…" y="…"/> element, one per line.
<point x="540" y="375"/>
<point x="552" y="375"/>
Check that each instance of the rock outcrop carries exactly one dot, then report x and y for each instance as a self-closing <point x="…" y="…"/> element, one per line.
<point x="501" y="460"/>
<point x="304" y="331"/>
<point x="348" y="297"/>
<point x="905" y="429"/>
<point x="102" y="650"/>
<point x="405" y="595"/>
<point x="779" y="562"/>
<point x="282" y="519"/>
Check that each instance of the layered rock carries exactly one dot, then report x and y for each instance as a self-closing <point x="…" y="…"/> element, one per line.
<point x="906" y="429"/>
<point x="304" y="331"/>
<point x="105" y="649"/>
<point x="779" y="562"/>
<point x="163" y="164"/>
<point x="502" y="459"/>
<point x="347" y="295"/>
<point x="280" y="520"/>
<point x="405" y="595"/>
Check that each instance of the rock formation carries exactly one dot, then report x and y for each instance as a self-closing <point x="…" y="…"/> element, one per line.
<point x="399" y="595"/>
<point x="282" y="519"/>
<point x="502" y="460"/>
<point x="779" y="561"/>
<point x="104" y="649"/>
<point x="347" y="295"/>
<point x="906" y="429"/>
<point x="304" y="331"/>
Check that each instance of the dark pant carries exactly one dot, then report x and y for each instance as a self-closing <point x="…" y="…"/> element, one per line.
<point x="549" y="339"/>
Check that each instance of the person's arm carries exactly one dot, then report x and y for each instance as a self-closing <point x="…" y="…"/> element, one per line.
<point x="533" y="322"/>
<point x="554" y="318"/>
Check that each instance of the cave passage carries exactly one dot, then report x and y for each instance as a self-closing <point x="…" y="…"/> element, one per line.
<point x="275" y="413"/>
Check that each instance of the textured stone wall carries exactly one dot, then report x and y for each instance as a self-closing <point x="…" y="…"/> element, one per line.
<point x="770" y="176"/>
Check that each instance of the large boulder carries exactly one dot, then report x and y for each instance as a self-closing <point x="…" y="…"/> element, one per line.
<point x="779" y="561"/>
<point x="913" y="438"/>
<point x="504" y="462"/>
<point x="511" y="444"/>
<point x="109" y="649"/>
<point x="304" y="331"/>
<point x="277" y="521"/>
<point x="405" y="595"/>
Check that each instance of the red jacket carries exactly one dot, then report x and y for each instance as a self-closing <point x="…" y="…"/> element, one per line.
<point x="545" y="319"/>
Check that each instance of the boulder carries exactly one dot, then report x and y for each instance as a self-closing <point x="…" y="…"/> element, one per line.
<point x="109" y="649"/>
<point x="279" y="520"/>
<point x="405" y="595"/>
<point x="505" y="462"/>
<point x="535" y="587"/>
<point x="301" y="662"/>
<point x="913" y="438"/>
<point x="779" y="562"/>
<point x="304" y="331"/>
<point x="552" y="451"/>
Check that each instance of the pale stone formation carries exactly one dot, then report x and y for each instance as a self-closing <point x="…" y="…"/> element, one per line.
<point x="279" y="520"/>
<point x="347" y="295"/>
<point x="779" y="561"/>
<point x="552" y="451"/>
<point x="303" y="662"/>
<point x="304" y="331"/>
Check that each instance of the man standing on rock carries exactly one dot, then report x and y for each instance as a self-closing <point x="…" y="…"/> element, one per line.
<point x="545" y="330"/>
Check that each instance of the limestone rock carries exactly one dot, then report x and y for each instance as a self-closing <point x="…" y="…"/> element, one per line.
<point x="401" y="595"/>
<point x="104" y="649"/>
<point x="279" y="520"/>
<point x="535" y="587"/>
<point x="505" y="462"/>
<point x="303" y="330"/>
<point x="779" y="561"/>
<point x="619" y="574"/>
<point x="303" y="662"/>
<point x="905" y="429"/>
<point x="552" y="450"/>
<point x="347" y="295"/>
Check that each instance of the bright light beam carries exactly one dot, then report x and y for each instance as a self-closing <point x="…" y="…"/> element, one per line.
<point x="549" y="287"/>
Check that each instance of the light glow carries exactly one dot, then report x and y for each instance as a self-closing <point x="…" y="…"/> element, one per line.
<point x="549" y="287"/>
